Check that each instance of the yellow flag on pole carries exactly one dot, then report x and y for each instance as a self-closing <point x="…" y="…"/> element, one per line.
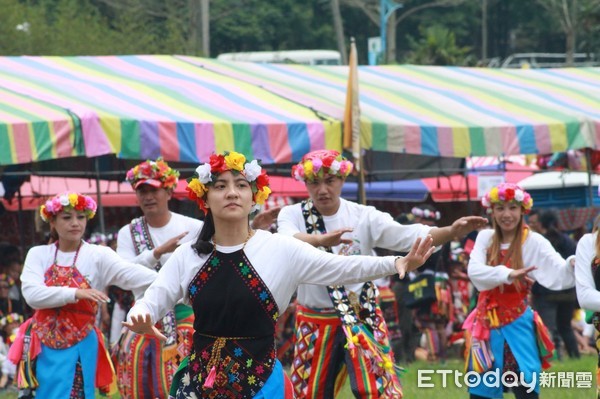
<point x="352" y="121"/>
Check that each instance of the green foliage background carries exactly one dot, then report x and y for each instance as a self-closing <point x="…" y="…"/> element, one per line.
<point x="449" y="35"/>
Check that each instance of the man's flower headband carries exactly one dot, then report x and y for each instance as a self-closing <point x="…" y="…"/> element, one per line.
<point x="155" y="173"/>
<point x="67" y="202"/>
<point x="507" y="192"/>
<point x="316" y="164"/>
<point x="206" y="174"/>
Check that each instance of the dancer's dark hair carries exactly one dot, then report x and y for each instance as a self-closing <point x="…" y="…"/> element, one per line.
<point x="203" y="244"/>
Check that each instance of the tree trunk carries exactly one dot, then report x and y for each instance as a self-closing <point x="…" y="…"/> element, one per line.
<point x="391" y="39"/>
<point x="570" y="47"/>
<point x="339" y="30"/>
<point x="193" y="46"/>
<point x="484" y="30"/>
<point x="205" y="13"/>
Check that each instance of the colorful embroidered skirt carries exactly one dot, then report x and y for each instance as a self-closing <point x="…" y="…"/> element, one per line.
<point x="521" y="337"/>
<point x="145" y="368"/>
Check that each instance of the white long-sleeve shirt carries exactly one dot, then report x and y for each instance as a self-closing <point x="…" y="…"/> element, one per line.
<point x="372" y="228"/>
<point x="100" y="265"/>
<point x="281" y="262"/>
<point x="587" y="294"/>
<point x="176" y="225"/>
<point x="553" y="272"/>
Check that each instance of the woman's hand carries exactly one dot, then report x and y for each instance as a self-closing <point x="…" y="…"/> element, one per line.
<point x="419" y="253"/>
<point x="142" y="324"/>
<point x="521" y="273"/>
<point x="91" y="294"/>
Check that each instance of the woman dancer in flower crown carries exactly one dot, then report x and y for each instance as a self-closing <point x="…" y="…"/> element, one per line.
<point x="503" y="332"/>
<point x="238" y="279"/>
<point x="60" y="350"/>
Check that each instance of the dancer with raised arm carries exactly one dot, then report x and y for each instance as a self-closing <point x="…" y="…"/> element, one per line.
<point x="237" y="280"/>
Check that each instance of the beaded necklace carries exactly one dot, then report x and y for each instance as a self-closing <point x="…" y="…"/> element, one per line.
<point x="70" y="275"/>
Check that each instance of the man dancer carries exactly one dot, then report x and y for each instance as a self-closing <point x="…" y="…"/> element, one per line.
<point x="145" y="366"/>
<point x="340" y="330"/>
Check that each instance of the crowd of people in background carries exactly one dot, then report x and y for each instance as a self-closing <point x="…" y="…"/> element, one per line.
<point x="486" y="289"/>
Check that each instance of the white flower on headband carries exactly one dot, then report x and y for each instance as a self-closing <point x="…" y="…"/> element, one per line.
<point x="204" y="173"/>
<point x="335" y="166"/>
<point x="252" y="170"/>
<point x="519" y="196"/>
<point x="64" y="200"/>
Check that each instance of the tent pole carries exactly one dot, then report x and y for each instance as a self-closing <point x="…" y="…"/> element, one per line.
<point x="469" y="207"/>
<point x="20" y="219"/>
<point x="588" y="162"/>
<point x="99" y="196"/>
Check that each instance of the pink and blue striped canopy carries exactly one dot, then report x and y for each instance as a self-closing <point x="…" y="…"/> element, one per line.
<point x="142" y="107"/>
<point x="185" y="108"/>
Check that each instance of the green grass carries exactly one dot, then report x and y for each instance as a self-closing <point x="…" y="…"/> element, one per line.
<point x="586" y="364"/>
<point x="411" y="390"/>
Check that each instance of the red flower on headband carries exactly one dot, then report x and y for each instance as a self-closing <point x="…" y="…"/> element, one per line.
<point x="328" y="160"/>
<point x="510" y="194"/>
<point x="80" y="205"/>
<point x="146" y="169"/>
<point x="217" y="163"/>
<point x="262" y="180"/>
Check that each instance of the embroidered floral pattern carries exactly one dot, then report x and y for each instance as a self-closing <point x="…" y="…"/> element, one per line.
<point x="237" y="374"/>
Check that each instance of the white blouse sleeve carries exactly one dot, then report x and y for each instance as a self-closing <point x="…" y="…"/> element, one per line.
<point x="587" y="294"/>
<point x="36" y="293"/>
<point x="314" y="266"/>
<point x="483" y="276"/>
<point x="386" y="233"/>
<point x="125" y="274"/>
<point x="167" y="289"/>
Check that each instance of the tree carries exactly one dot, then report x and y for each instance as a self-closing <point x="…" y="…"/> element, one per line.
<point x="438" y="47"/>
<point x="567" y="13"/>
<point x="371" y="8"/>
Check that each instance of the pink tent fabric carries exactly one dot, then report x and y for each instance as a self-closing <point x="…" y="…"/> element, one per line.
<point x="39" y="188"/>
<point x="454" y="188"/>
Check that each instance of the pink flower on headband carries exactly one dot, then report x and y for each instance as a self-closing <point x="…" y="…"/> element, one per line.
<point x="66" y="202"/>
<point x="508" y="192"/>
<point x="155" y="173"/>
<point x="317" y="164"/>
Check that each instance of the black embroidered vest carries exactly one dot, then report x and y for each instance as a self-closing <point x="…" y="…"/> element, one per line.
<point x="235" y="316"/>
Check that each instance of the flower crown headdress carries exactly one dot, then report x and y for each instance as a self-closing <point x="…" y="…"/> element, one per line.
<point x="426" y="213"/>
<point x="11" y="318"/>
<point x="8" y="279"/>
<point x="316" y="164"/>
<point x="206" y="174"/>
<point x="68" y="201"/>
<point x="155" y="173"/>
<point x="508" y="192"/>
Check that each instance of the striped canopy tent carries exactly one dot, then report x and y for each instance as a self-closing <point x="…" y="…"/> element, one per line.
<point x="142" y="107"/>
<point x="445" y="111"/>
